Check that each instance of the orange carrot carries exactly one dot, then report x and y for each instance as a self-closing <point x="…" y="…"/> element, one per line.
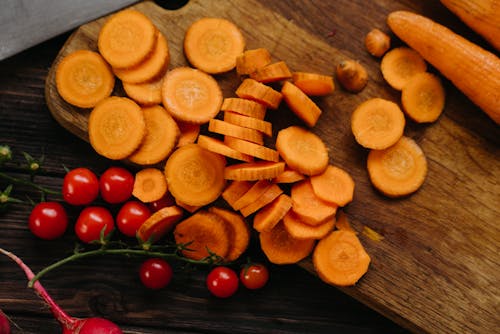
<point x="423" y="97"/>
<point x="271" y="193"/>
<point x="271" y="73"/>
<point x="256" y="191"/>
<point x="189" y="133"/>
<point x="300" y="104"/>
<point x="228" y="129"/>
<point x="272" y="213"/>
<point x="241" y="232"/>
<point x="256" y="91"/>
<point x="300" y="230"/>
<point x="145" y="94"/>
<point x="252" y="149"/>
<point x="377" y="42"/>
<point x="313" y="84"/>
<point x="334" y="185"/>
<point x="235" y="190"/>
<point x="400" y="64"/>
<point x="352" y="75"/>
<point x="244" y="107"/>
<point x="218" y="146"/>
<point x="289" y="176"/>
<point x="159" y="223"/>
<point x="249" y="122"/>
<point x="251" y="60"/>
<point x="149" y="185"/>
<point x="188" y="208"/>
<point x="252" y="171"/>
<point x="310" y="208"/>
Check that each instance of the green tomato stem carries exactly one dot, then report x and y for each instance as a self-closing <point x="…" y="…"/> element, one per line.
<point x="29" y="183"/>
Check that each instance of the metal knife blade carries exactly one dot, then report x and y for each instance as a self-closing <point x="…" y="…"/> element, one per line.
<point x="24" y="23"/>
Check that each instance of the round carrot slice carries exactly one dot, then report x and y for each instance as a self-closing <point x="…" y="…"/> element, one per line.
<point x="400" y="64"/>
<point x="377" y="123"/>
<point x="191" y="95"/>
<point x="213" y="44"/>
<point x="127" y="38"/>
<point x="159" y="223"/>
<point x="310" y="208"/>
<point x="116" y="127"/>
<point x="399" y="170"/>
<point x="313" y="84"/>
<point x="300" y="230"/>
<point x="252" y="171"/>
<point x="149" y="185"/>
<point x="195" y="176"/>
<point x="423" y="97"/>
<point x="218" y="146"/>
<point x="83" y="78"/>
<point x="334" y="185"/>
<point x="146" y="94"/>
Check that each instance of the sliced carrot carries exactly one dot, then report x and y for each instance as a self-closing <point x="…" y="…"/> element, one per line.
<point x="256" y="91"/>
<point x="252" y="149"/>
<point x="281" y="248"/>
<point x="240" y="237"/>
<point x="272" y="213"/>
<point x="300" y="104"/>
<point x="213" y="44"/>
<point x="400" y="64"/>
<point x="249" y="122"/>
<point x="251" y="60"/>
<point x="310" y="208"/>
<point x="191" y="95"/>
<point x="116" y="127"/>
<point x="202" y="233"/>
<point x="83" y="78"/>
<point x="271" y="193"/>
<point x="289" y="176"/>
<point x="340" y="258"/>
<point x="334" y="185"/>
<point x="189" y="133"/>
<point x="423" y="97"/>
<point x="162" y="134"/>
<point x="218" y="146"/>
<point x="127" y="38"/>
<point x="377" y="123"/>
<point x="271" y="73"/>
<point x="398" y="170"/>
<point x="313" y="84"/>
<point x="342" y="222"/>
<point x="300" y="230"/>
<point x="244" y="107"/>
<point x="229" y="129"/>
<point x="302" y="150"/>
<point x="151" y="68"/>
<point x="188" y="208"/>
<point x="252" y="171"/>
<point x="149" y="185"/>
<point x="195" y="176"/>
<point x="235" y="190"/>
<point x="256" y="191"/>
<point x="159" y="223"/>
<point x="146" y="94"/>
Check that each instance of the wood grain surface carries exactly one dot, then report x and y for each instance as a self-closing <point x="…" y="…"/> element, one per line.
<point x="436" y="270"/>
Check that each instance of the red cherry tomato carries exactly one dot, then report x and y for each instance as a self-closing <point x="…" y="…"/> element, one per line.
<point x="131" y="216"/>
<point x="91" y="221"/>
<point x="167" y="200"/>
<point x="222" y="282"/>
<point x="254" y="276"/>
<point x="155" y="273"/>
<point x="116" y="185"/>
<point x="48" y="220"/>
<point x="80" y="186"/>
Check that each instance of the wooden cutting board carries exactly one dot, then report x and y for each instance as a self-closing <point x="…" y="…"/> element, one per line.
<point x="437" y="268"/>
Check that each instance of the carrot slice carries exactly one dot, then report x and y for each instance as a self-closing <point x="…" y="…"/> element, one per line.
<point x="423" y="97"/>
<point x="281" y="248"/>
<point x="213" y="44"/>
<point x="116" y="127"/>
<point x="340" y="258"/>
<point x="235" y="190"/>
<point x="162" y="134"/>
<point x="267" y="197"/>
<point x="188" y="208"/>
<point x="244" y="107"/>
<point x="146" y="94"/>
<point x="203" y="232"/>
<point x="149" y="185"/>
<point x="218" y="146"/>
<point x="377" y="123"/>
<point x="256" y="191"/>
<point x="251" y="60"/>
<point x="127" y="38"/>
<point x="334" y="185"/>
<point x="252" y="149"/>
<point x="152" y="67"/>
<point x="249" y="122"/>
<point x="83" y="78"/>
<point x="191" y="95"/>
<point x="300" y="230"/>
<point x="272" y="213"/>
<point x="189" y="133"/>
<point x="289" y="176"/>
<point x="310" y="208"/>
<point x="398" y="170"/>
<point x="241" y="232"/>
<point x="256" y="91"/>
<point x="228" y="129"/>
<point x="271" y="73"/>
<point x="302" y="150"/>
<point x="342" y="222"/>
<point x="300" y="104"/>
<point x="195" y="176"/>
<point x="252" y="171"/>
<point x="400" y="64"/>
<point x="159" y="223"/>
<point x="313" y="84"/>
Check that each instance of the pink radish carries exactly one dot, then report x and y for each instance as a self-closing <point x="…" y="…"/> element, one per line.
<point x="4" y="324"/>
<point x="69" y="324"/>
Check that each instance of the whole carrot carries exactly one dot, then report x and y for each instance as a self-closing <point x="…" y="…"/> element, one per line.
<point x="473" y="70"/>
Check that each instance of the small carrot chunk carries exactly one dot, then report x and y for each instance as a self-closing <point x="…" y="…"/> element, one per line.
<point x="289" y="176"/>
<point x="400" y="64"/>
<point x="249" y="122"/>
<point x="213" y="44"/>
<point x="377" y="42"/>
<point x="235" y="190"/>
<point x="244" y="107"/>
<point x="251" y="60"/>
<point x="146" y="94"/>
<point x="159" y="223"/>
<point x="253" y="171"/>
<point x="252" y="149"/>
<point x="256" y="91"/>
<point x="281" y="248"/>
<point x="300" y="230"/>
<point x="229" y="129"/>
<point x="271" y="73"/>
<point x="302" y="150"/>
<point x="218" y="146"/>
<point x="313" y="84"/>
<point x="423" y="97"/>
<point x="310" y="208"/>
<point x="189" y="133"/>
<point x="334" y="185"/>
<point x="340" y="258"/>
<point x="272" y="213"/>
<point x="240" y="238"/>
<point x="256" y="191"/>
<point x="377" y="123"/>
<point x="398" y="170"/>
<point x="149" y="185"/>
<point x="267" y="197"/>
<point x="300" y="104"/>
